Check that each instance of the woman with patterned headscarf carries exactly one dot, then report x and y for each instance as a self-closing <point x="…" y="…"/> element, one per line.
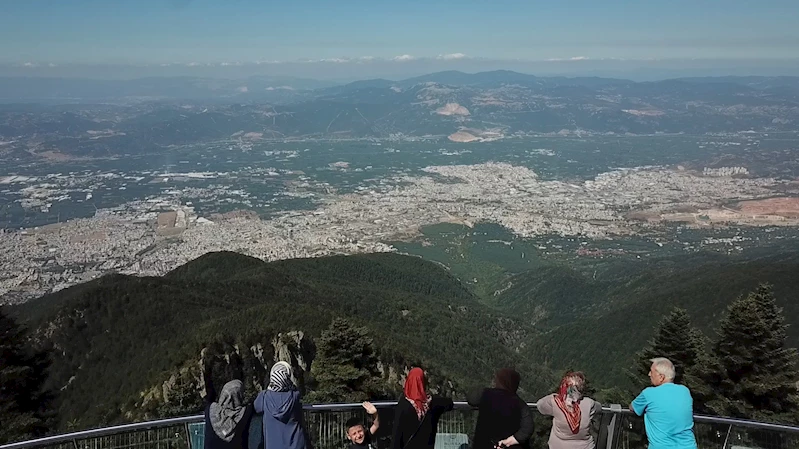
<point x="280" y="403"/>
<point x="571" y="414"/>
<point x="227" y="417"/>
<point x="417" y="413"/>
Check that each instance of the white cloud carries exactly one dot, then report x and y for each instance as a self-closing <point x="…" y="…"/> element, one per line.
<point x="451" y="56"/>
<point x="243" y="89"/>
<point x="29" y="64"/>
<point x="573" y="58"/>
<point x="335" y="60"/>
<point x="193" y="64"/>
<point x="402" y="58"/>
<point x="51" y="65"/>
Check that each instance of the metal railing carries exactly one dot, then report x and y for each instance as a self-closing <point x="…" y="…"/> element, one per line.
<point x="616" y="428"/>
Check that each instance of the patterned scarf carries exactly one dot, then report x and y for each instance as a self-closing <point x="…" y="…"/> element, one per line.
<point x="228" y="410"/>
<point x="568" y="401"/>
<point x="415" y="392"/>
<point x="280" y="377"/>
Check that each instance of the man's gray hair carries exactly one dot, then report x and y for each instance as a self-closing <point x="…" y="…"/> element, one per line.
<point x="665" y="367"/>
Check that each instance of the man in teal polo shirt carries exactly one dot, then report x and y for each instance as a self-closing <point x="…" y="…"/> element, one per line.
<point x="667" y="409"/>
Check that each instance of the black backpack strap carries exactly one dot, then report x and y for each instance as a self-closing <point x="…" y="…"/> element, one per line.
<point x="417" y="428"/>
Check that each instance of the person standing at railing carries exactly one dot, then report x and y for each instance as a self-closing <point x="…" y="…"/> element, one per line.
<point x="504" y="419"/>
<point x="356" y="430"/>
<point x="571" y="413"/>
<point x="417" y="413"/>
<point x="227" y="418"/>
<point x="667" y="409"/>
<point x="283" y="420"/>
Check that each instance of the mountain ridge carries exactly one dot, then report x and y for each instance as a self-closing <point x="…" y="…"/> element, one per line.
<point x="503" y="104"/>
<point x="103" y="331"/>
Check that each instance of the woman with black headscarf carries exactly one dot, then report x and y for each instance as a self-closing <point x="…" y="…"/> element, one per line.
<point x="504" y="419"/>
<point x="282" y="409"/>
<point x="227" y="418"/>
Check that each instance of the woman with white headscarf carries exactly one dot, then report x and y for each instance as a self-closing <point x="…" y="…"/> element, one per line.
<point x="227" y="418"/>
<point x="571" y="414"/>
<point x="282" y="409"/>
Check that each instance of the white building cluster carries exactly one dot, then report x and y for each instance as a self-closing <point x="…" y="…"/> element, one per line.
<point x="124" y="239"/>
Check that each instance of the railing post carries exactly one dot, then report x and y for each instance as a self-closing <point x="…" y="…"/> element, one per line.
<point x="727" y="438"/>
<point x="188" y="435"/>
<point x="613" y="427"/>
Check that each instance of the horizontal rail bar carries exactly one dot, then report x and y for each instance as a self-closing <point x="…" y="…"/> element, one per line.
<point x="708" y="419"/>
<point x="746" y="423"/>
<point x="104" y="431"/>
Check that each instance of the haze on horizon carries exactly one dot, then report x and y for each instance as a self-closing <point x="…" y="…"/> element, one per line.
<point x="358" y="39"/>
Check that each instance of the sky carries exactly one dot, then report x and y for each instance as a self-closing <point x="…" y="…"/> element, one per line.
<point x="231" y="33"/>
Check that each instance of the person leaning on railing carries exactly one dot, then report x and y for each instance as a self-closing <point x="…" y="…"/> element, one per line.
<point x="417" y="413"/>
<point x="227" y="417"/>
<point x="283" y="423"/>
<point x="504" y="419"/>
<point x="571" y="413"/>
<point x="667" y="409"/>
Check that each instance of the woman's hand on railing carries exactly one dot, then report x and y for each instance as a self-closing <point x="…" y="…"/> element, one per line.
<point x="508" y="442"/>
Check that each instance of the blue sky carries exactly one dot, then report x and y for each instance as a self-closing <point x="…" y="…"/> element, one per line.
<point x="356" y="39"/>
<point x="206" y="31"/>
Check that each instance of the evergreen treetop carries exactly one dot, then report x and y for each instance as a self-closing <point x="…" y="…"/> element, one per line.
<point x="757" y="371"/>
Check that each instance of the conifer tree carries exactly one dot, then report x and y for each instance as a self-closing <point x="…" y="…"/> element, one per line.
<point x="674" y="339"/>
<point x="23" y="372"/>
<point x="757" y="372"/>
<point x="345" y="366"/>
<point x="677" y="340"/>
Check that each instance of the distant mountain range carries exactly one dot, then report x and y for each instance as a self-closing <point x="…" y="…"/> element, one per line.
<point x="144" y="115"/>
<point x="266" y="88"/>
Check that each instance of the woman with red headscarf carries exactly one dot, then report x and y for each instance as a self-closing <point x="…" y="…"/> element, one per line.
<point x="417" y="413"/>
<point x="571" y="414"/>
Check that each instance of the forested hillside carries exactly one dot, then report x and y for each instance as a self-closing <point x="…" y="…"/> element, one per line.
<point x="116" y="338"/>
<point x="125" y="348"/>
<point x="595" y="318"/>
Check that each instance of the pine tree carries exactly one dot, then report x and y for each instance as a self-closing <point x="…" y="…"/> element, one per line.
<point x="677" y="340"/>
<point x="23" y="372"/>
<point x="757" y="372"/>
<point x="345" y="366"/>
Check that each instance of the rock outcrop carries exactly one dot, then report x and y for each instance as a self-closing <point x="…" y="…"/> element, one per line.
<point x="248" y="358"/>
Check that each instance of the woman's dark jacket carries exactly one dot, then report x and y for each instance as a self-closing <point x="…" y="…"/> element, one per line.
<point x="411" y="433"/>
<point x="501" y="414"/>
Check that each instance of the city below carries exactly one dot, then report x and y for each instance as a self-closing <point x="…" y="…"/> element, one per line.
<point x="155" y="234"/>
